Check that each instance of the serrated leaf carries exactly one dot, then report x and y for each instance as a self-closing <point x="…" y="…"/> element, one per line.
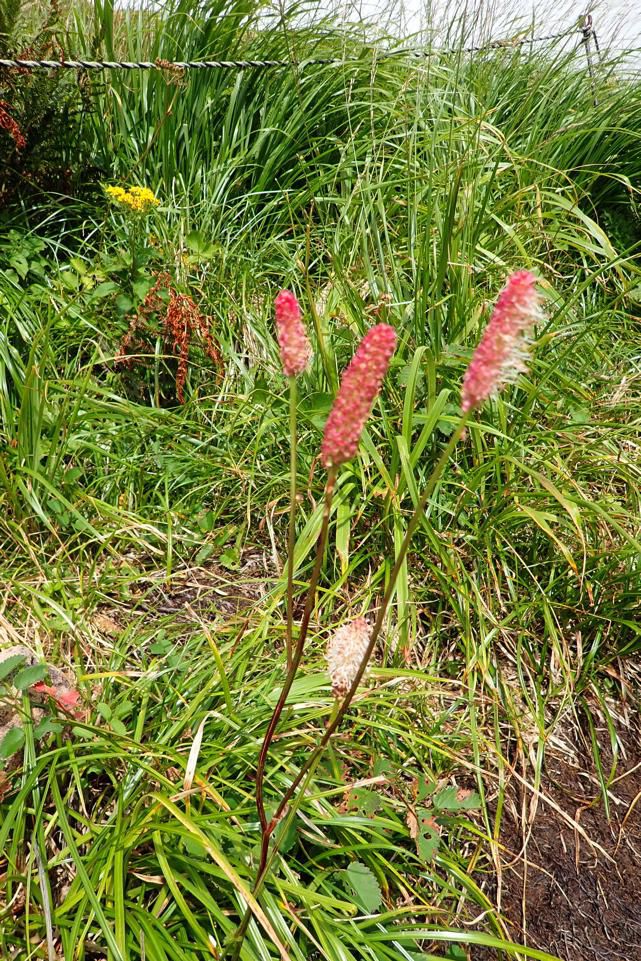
<point x="199" y="244"/>
<point x="365" y="887"/>
<point x="579" y="415"/>
<point x="141" y="288"/>
<point x="204" y="554"/>
<point x="104" y="711"/>
<point x="361" y="800"/>
<point x="124" y="303"/>
<point x="160" y="647"/>
<point x="78" y="265"/>
<point x="20" y="265"/>
<point x="46" y="726"/>
<point x="384" y="767"/>
<point x="30" y="676"/>
<point x="230" y="559"/>
<point x="105" y="289"/>
<point x="10" y="664"/>
<point x="11" y="742"/>
<point x="407" y="374"/>
<point x="427" y="835"/>
<point x="425" y="787"/>
<point x="206" y="521"/>
<point x="456" y="799"/>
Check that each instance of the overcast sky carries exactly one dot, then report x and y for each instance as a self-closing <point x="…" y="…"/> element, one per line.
<point x="615" y="21"/>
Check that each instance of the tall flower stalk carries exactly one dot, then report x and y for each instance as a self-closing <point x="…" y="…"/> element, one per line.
<point x="498" y="359"/>
<point x="359" y="387"/>
<point x="295" y="355"/>
<point x="291" y="532"/>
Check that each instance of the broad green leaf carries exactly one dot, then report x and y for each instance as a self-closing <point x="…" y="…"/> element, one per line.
<point x="365" y="887"/>
<point x="10" y="664"/>
<point x="428" y="835"/>
<point x="11" y="742"/>
<point x="204" y="554"/>
<point x="46" y="726"/>
<point x="200" y="244"/>
<point x="362" y="800"/>
<point x="425" y="787"/>
<point x="30" y="676"/>
<point x="456" y="799"/>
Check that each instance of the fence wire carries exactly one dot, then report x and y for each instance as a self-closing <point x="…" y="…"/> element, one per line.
<point x="183" y="65"/>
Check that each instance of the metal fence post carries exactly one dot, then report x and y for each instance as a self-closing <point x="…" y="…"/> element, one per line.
<point x="588" y="32"/>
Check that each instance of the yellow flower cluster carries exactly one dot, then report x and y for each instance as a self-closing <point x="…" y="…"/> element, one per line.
<point x="137" y="199"/>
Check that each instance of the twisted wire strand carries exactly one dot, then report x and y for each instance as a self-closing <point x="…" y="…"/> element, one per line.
<point x="265" y="64"/>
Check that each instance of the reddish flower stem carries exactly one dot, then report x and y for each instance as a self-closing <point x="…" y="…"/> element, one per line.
<point x="266" y="828"/>
<point x="380" y="618"/>
<point x="291" y="534"/>
<point x="307" y="770"/>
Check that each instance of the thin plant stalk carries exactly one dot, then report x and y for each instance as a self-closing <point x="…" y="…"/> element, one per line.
<point x="268" y="857"/>
<point x="328" y="369"/>
<point x="380" y="618"/>
<point x="267" y="828"/>
<point x="296" y="659"/>
<point x="306" y="772"/>
<point x="291" y="539"/>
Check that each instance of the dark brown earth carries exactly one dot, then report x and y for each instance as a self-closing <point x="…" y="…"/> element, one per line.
<point x="211" y="588"/>
<point x="576" y="895"/>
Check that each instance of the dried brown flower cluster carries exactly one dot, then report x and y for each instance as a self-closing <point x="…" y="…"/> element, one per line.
<point x="11" y="126"/>
<point x="180" y="320"/>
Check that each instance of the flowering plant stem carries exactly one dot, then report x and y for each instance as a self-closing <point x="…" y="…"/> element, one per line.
<point x="268" y="857"/>
<point x="415" y="520"/>
<point x="306" y="772"/>
<point x="268" y="828"/>
<point x="291" y="538"/>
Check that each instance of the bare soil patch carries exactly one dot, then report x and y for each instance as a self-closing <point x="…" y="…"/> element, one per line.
<point x="575" y="891"/>
<point x="211" y="589"/>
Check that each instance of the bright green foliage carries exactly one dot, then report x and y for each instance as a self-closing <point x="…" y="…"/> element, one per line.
<point x="142" y="541"/>
<point x="9" y="12"/>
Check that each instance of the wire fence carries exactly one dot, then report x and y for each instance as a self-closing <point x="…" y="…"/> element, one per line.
<point x="586" y="31"/>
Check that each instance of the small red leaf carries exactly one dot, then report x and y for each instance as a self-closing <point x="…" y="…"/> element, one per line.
<point x="66" y="698"/>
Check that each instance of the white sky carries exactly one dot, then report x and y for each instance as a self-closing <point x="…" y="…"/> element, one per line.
<point x="615" y="22"/>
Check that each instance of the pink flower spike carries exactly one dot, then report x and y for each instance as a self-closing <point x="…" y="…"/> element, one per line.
<point x="360" y="384"/>
<point x="502" y="353"/>
<point x="295" y="348"/>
